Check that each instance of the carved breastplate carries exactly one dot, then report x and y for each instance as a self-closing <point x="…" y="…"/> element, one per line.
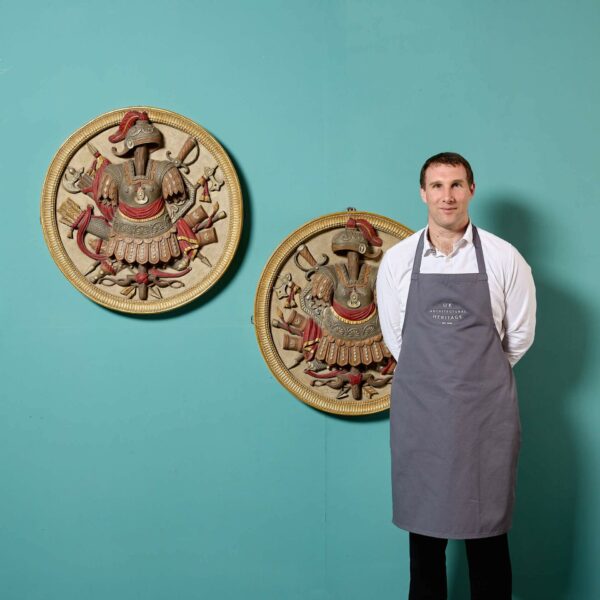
<point x="353" y="294"/>
<point x="139" y="190"/>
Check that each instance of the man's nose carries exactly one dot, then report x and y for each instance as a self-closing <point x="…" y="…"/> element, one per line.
<point x="448" y="196"/>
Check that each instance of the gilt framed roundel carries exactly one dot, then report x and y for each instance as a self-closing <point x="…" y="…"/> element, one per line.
<point x="316" y="316"/>
<point x="142" y="210"/>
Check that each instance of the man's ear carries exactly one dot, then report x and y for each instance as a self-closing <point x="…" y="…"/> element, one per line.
<point x="423" y="197"/>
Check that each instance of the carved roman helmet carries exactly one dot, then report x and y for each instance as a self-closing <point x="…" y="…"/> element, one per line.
<point x="358" y="236"/>
<point x="136" y="129"/>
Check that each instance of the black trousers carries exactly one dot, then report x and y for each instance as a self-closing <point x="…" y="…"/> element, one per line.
<point x="490" y="573"/>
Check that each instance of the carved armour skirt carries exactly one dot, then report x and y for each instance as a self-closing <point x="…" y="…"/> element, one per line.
<point x="344" y="342"/>
<point x="142" y="242"/>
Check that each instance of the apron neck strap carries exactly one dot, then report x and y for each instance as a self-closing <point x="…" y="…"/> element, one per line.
<point x="478" y="252"/>
<point x="418" y="255"/>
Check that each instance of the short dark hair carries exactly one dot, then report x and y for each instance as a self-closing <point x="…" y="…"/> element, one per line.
<point x="447" y="158"/>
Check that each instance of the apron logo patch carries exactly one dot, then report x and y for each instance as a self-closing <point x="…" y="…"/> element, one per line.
<point x="447" y="313"/>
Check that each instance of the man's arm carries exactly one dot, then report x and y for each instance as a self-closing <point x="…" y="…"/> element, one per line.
<point x="390" y="308"/>
<point x="520" y="302"/>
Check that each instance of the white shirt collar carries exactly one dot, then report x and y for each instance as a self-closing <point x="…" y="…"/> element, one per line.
<point x="467" y="238"/>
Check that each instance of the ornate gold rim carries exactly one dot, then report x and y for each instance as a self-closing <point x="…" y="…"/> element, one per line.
<point x="262" y="309"/>
<point x="50" y="226"/>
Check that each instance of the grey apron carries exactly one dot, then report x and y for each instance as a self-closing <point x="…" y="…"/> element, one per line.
<point x="455" y="430"/>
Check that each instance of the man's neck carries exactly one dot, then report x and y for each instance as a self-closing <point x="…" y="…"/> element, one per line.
<point x="444" y="239"/>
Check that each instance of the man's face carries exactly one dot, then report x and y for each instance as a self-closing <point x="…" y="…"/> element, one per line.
<point x="447" y="195"/>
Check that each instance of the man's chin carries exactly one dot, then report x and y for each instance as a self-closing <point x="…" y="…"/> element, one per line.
<point x="451" y="222"/>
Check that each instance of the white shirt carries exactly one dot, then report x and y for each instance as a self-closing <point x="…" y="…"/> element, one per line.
<point x="512" y="291"/>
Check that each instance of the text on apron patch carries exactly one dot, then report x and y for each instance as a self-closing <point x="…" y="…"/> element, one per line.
<point x="447" y="313"/>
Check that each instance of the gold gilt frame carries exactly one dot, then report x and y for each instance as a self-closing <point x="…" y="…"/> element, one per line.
<point x="262" y="312"/>
<point x="50" y="226"/>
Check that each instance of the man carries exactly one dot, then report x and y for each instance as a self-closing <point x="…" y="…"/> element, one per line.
<point x="457" y="310"/>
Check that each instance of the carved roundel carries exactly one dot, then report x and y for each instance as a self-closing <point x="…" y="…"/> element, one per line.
<point x="142" y="210"/>
<point x="316" y="315"/>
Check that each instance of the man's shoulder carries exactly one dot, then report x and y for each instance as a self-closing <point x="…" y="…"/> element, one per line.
<point x="504" y="254"/>
<point x="496" y="243"/>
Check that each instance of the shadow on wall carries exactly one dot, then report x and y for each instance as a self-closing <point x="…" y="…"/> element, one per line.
<point x="542" y="539"/>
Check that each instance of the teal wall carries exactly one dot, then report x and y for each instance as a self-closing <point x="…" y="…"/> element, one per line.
<point x="117" y="480"/>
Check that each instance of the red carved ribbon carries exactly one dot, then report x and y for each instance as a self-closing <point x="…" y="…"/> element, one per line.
<point x="82" y="224"/>
<point x="145" y="212"/>
<point x="310" y="339"/>
<point x="186" y="237"/>
<point x="329" y="375"/>
<point x="389" y="366"/>
<point x="164" y="274"/>
<point x="156" y="273"/>
<point x="353" y="314"/>
<point x="106" y="209"/>
<point x="355" y="379"/>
